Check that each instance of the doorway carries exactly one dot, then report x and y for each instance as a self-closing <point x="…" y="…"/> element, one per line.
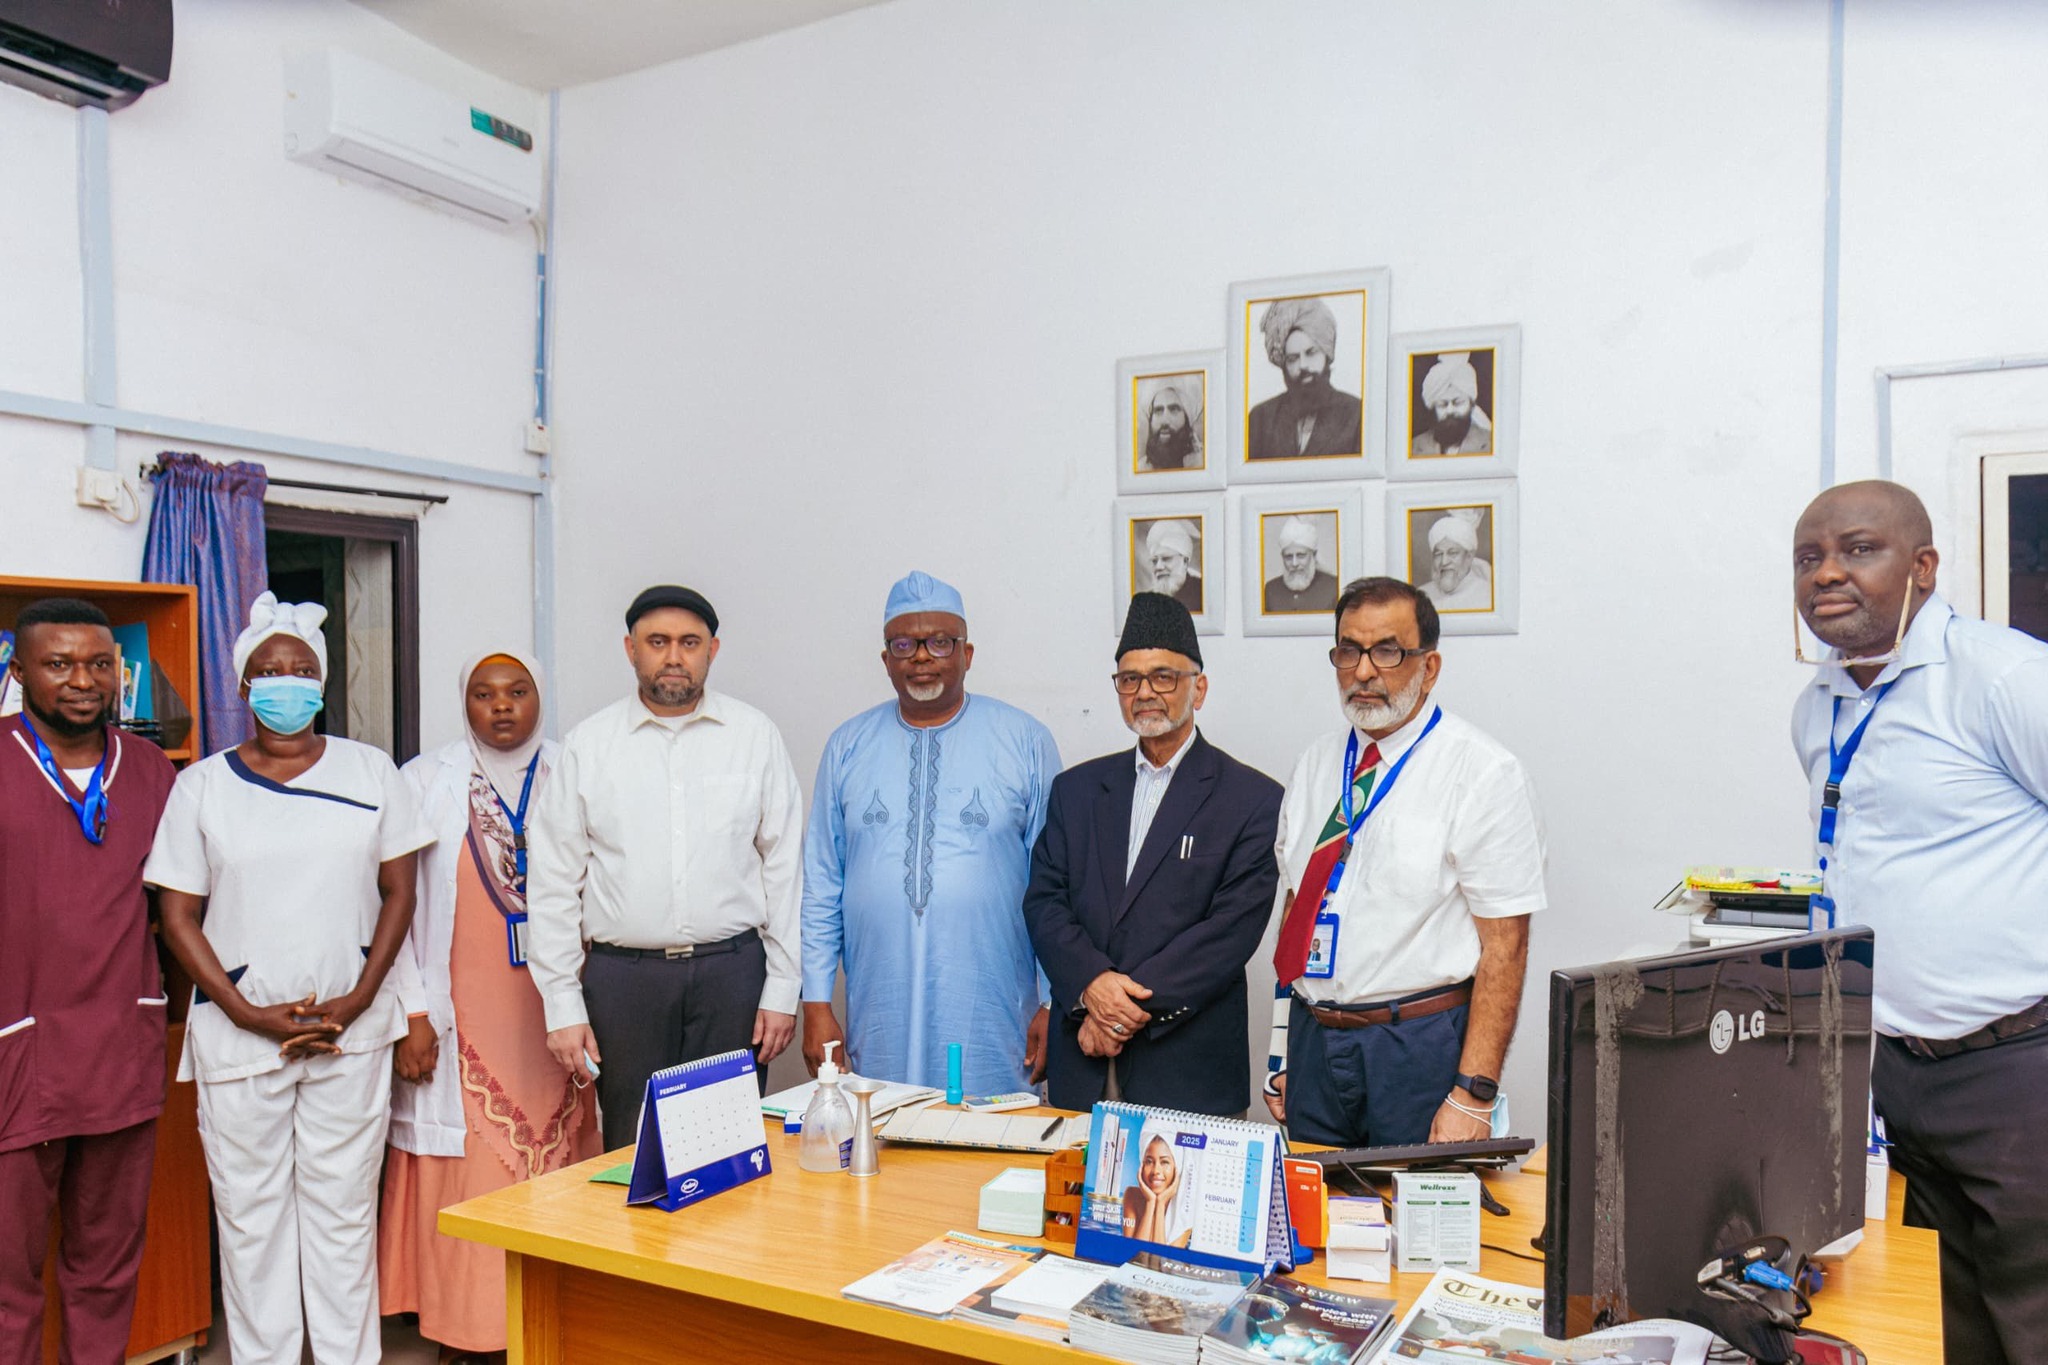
<point x="365" y="571"/>
<point x="2015" y="493"/>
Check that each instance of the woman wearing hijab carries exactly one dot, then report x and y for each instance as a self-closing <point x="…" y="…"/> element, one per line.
<point x="1159" y="1207"/>
<point x="301" y="850"/>
<point x="479" y="1103"/>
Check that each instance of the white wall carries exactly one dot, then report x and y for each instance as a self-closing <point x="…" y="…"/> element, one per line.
<point x="847" y="301"/>
<point x="257" y="293"/>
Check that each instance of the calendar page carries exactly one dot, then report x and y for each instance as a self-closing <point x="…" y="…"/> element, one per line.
<point x="1184" y="1181"/>
<point x="702" y="1125"/>
<point x="700" y="1132"/>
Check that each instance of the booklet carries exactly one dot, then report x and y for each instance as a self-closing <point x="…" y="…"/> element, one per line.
<point x="1460" y="1318"/>
<point x="938" y="1276"/>
<point x="1033" y="1298"/>
<point x="1155" y="1308"/>
<point x="1284" y="1319"/>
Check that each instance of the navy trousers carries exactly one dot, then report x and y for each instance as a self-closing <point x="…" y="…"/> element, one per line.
<point x="1370" y="1087"/>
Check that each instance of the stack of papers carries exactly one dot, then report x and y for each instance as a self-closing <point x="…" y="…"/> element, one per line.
<point x="1154" y="1310"/>
<point x="1034" y="1299"/>
<point x="790" y="1104"/>
<point x="1284" y="1319"/>
<point x="1358" y="1244"/>
<point x="935" y="1278"/>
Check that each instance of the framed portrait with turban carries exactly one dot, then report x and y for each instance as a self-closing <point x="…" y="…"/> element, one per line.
<point x="1168" y="431"/>
<point x="1175" y="545"/>
<point x="1461" y="544"/>
<point x="1455" y="410"/>
<point x="1307" y="362"/>
<point x="1298" y="546"/>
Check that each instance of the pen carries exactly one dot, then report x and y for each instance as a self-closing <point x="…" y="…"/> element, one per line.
<point x="1050" y="1128"/>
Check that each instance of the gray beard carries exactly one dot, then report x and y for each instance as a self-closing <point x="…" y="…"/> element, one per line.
<point x="928" y="692"/>
<point x="677" y="692"/>
<point x="1298" y="582"/>
<point x="1376" y="715"/>
<point x="1153" y="724"/>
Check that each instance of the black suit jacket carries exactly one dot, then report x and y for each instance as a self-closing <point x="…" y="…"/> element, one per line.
<point x="1184" y="926"/>
<point x="1270" y="433"/>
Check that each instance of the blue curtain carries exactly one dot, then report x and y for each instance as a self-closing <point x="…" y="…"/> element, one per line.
<point x="206" y="529"/>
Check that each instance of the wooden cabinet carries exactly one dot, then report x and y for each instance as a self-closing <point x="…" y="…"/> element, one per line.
<point x="174" y="1302"/>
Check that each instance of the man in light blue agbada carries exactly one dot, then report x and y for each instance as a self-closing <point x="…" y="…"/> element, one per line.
<point x="919" y="847"/>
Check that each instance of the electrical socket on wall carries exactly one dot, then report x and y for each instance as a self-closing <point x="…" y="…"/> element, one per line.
<point x="106" y="490"/>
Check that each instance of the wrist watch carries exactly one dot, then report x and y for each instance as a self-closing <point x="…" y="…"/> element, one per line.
<point x="1482" y="1088"/>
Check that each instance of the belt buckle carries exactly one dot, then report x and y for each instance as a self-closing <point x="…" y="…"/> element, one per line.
<point x="687" y="950"/>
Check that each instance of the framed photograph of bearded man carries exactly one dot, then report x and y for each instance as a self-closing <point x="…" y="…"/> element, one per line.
<point x="1455" y="409"/>
<point x="1175" y="545"/>
<point x="1298" y="546"/>
<point x="1167" y="428"/>
<point x="1461" y="544"/>
<point x="1307" y="362"/>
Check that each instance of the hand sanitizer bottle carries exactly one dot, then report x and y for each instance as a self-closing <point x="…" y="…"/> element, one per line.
<point x="827" y="1141"/>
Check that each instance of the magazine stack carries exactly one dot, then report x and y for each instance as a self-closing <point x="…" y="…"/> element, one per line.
<point x="1154" y="1310"/>
<point x="1284" y="1319"/>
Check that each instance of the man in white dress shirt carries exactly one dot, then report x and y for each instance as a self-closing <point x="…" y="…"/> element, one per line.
<point x="1925" y="740"/>
<point x="1411" y="858"/>
<point x="670" y="841"/>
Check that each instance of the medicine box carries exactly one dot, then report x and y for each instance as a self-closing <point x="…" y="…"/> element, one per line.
<point x="1436" y="1221"/>
<point x="1014" y="1202"/>
<point x="1359" y="1241"/>
<point x="1305" y="1201"/>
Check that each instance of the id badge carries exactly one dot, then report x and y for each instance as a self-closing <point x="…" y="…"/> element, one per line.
<point x="515" y="939"/>
<point x="1322" y="947"/>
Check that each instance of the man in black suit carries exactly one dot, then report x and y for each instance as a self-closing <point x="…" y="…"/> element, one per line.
<point x="1150" y="889"/>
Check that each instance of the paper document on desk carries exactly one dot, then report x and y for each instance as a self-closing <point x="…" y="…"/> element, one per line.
<point x="1460" y="1317"/>
<point x="936" y="1277"/>
<point x="993" y="1132"/>
<point x="793" y="1101"/>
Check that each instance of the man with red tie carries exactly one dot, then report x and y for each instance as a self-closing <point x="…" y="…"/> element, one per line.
<point x="1411" y="858"/>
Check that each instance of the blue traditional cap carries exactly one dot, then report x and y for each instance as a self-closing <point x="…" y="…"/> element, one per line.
<point x="918" y="591"/>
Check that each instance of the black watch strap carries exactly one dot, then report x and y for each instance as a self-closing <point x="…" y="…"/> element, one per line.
<point x="1481" y="1088"/>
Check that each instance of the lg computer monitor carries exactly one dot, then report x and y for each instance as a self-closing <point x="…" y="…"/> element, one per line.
<point x="1698" y="1101"/>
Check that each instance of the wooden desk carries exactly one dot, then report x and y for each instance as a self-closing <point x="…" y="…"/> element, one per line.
<point x="755" y="1273"/>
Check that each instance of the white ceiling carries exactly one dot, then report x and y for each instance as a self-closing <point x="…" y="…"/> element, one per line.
<point x="543" y="44"/>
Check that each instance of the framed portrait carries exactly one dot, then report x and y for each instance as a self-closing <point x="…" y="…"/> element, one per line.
<point x="1298" y="547"/>
<point x="1455" y="410"/>
<point x="1461" y="544"/>
<point x="1175" y="545"/>
<point x="1167" y="425"/>
<point x="1307" y="360"/>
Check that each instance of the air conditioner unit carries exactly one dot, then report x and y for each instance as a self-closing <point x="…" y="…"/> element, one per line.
<point x="98" y="52"/>
<point x="346" y="114"/>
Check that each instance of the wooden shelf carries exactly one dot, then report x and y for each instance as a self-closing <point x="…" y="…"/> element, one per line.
<point x="170" y="610"/>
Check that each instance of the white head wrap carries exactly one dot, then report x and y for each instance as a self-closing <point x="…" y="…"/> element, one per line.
<point x="506" y="768"/>
<point x="1297" y="533"/>
<point x="1170" y="535"/>
<point x="1188" y="389"/>
<point x="1452" y="373"/>
<point x="268" y="617"/>
<point x="1180" y="1213"/>
<point x="1461" y="526"/>
<point x="1307" y="315"/>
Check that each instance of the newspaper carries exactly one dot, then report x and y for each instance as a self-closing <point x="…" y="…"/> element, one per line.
<point x="1462" y="1318"/>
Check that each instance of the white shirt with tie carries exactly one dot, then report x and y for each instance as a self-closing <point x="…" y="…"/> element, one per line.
<point x="661" y="832"/>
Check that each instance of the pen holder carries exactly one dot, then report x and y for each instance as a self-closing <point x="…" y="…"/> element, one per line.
<point x="866" y="1159"/>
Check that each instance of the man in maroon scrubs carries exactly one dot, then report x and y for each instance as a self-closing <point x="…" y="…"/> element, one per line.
<point x="81" y="998"/>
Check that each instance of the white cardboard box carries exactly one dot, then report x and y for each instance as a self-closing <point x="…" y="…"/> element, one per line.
<point x="1436" y="1221"/>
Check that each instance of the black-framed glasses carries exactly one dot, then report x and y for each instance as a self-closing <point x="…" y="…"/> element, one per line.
<point x="938" y="646"/>
<point x="1165" y="681"/>
<point x="1387" y="654"/>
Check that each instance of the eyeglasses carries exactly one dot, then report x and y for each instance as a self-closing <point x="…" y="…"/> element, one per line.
<point x="938" y="646"/>
<point x="1387" y="654"/>
<point x="1875" y="660"/>
<point x="1165" y="681"/>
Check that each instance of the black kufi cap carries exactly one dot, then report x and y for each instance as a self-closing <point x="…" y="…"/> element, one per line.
<point x="669" y="595"/>
<point x="1156" y="621"/>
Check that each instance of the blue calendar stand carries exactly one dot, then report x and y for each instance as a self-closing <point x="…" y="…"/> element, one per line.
<point x="700" y="1132"/>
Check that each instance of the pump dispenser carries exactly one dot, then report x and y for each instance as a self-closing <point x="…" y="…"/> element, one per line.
<point x="827" y="1141"/>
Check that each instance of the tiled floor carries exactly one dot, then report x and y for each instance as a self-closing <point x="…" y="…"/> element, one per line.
<point x="402" y="1344"/>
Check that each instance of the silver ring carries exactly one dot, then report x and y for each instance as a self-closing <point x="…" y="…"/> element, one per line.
<point x="1117" y="1029"/>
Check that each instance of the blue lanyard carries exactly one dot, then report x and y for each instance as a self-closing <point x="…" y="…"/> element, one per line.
<point x="92" y="810"/>
<point x="1840" y="756"/>
<point x="1379" y="794"/>
<point x="518" y="819"/>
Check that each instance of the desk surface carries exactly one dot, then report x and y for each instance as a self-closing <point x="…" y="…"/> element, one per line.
<point x="788" y="1243"/>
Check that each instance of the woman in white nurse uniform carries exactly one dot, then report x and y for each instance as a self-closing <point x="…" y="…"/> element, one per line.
<point x="301" y="851"/>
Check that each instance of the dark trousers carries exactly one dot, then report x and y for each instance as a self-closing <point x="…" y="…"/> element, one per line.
<point x="1966" y="1133"/>
<point x="1370" y="1087"/>
<point x="101" y="1184"/>
<point x="652" y="1012"/>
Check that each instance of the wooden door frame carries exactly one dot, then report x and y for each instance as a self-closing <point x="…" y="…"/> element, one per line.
<point x="403" y="535"/>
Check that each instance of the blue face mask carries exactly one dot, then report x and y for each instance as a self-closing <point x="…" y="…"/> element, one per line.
<point x="285" y="705"/>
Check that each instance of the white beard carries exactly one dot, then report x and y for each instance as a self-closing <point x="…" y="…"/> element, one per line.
<point x="1152" y="725"/>
<point x="1298" y="582"/>
<point x="927" y="692"/>
<point x="1383" y="715"/>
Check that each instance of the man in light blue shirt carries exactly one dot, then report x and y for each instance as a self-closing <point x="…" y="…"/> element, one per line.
<point x="919" y="847"/>
<point x="1938" y="839"/>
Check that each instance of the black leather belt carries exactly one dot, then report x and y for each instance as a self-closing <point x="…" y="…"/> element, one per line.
<point x="1417" y="1006"/>
<point x="687" y="950"/>
<point x="2016" y="1025"/>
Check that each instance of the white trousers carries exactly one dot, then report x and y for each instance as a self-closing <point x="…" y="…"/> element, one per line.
<point x="295" y="1156"/>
